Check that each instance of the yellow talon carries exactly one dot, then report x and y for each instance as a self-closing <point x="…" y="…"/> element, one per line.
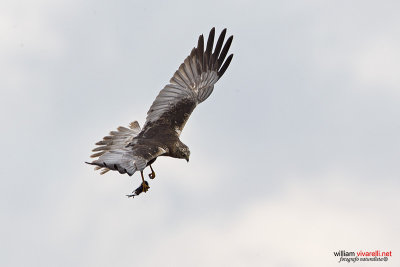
<point x="145" y="187"/>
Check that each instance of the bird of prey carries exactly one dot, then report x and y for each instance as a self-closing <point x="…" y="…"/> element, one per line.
<point x="132" y="149"/>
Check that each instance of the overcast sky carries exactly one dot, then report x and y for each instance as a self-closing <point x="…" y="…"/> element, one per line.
<point x="295" y="155"/>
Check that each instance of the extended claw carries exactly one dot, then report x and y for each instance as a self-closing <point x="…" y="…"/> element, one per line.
<point x="145" y="186"/>
<point x="152" y="175"/>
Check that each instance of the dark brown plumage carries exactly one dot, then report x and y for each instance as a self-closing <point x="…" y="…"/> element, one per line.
<point x="133" y="149"/>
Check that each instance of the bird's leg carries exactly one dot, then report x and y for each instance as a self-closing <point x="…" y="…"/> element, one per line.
<point x="144" y="183"/>
<point x="152" y="175"/>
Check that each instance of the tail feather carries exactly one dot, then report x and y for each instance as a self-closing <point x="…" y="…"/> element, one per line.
<point x="116" y="140"/>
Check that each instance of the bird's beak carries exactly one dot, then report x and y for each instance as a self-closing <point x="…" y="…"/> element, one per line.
<point x="187" y="159"/>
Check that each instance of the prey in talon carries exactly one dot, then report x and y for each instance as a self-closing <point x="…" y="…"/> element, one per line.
<point x="142" y="188"/>
<point x="131" y="149"/>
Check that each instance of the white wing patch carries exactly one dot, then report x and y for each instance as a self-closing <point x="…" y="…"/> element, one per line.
<point x="121" y="160"/>
<point x="128" y="160"/>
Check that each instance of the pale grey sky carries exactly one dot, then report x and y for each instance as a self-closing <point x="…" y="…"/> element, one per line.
<point x="295" y="154"/>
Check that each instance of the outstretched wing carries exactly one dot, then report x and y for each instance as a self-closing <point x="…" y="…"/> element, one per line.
<point x="191" y="84"/>
<point x="114" y="153"/>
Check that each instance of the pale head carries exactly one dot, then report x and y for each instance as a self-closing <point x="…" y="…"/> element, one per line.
<point x="182" y="151"/>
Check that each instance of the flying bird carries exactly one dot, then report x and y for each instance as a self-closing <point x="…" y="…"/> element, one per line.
<point x="132" y="149"/>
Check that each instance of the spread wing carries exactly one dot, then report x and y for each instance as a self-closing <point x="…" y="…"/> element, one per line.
<point x="191" y="84"/>
<point x="114" y="153"/>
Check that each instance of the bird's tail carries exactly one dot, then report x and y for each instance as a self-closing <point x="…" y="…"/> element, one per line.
<point x="117" y="140"/>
